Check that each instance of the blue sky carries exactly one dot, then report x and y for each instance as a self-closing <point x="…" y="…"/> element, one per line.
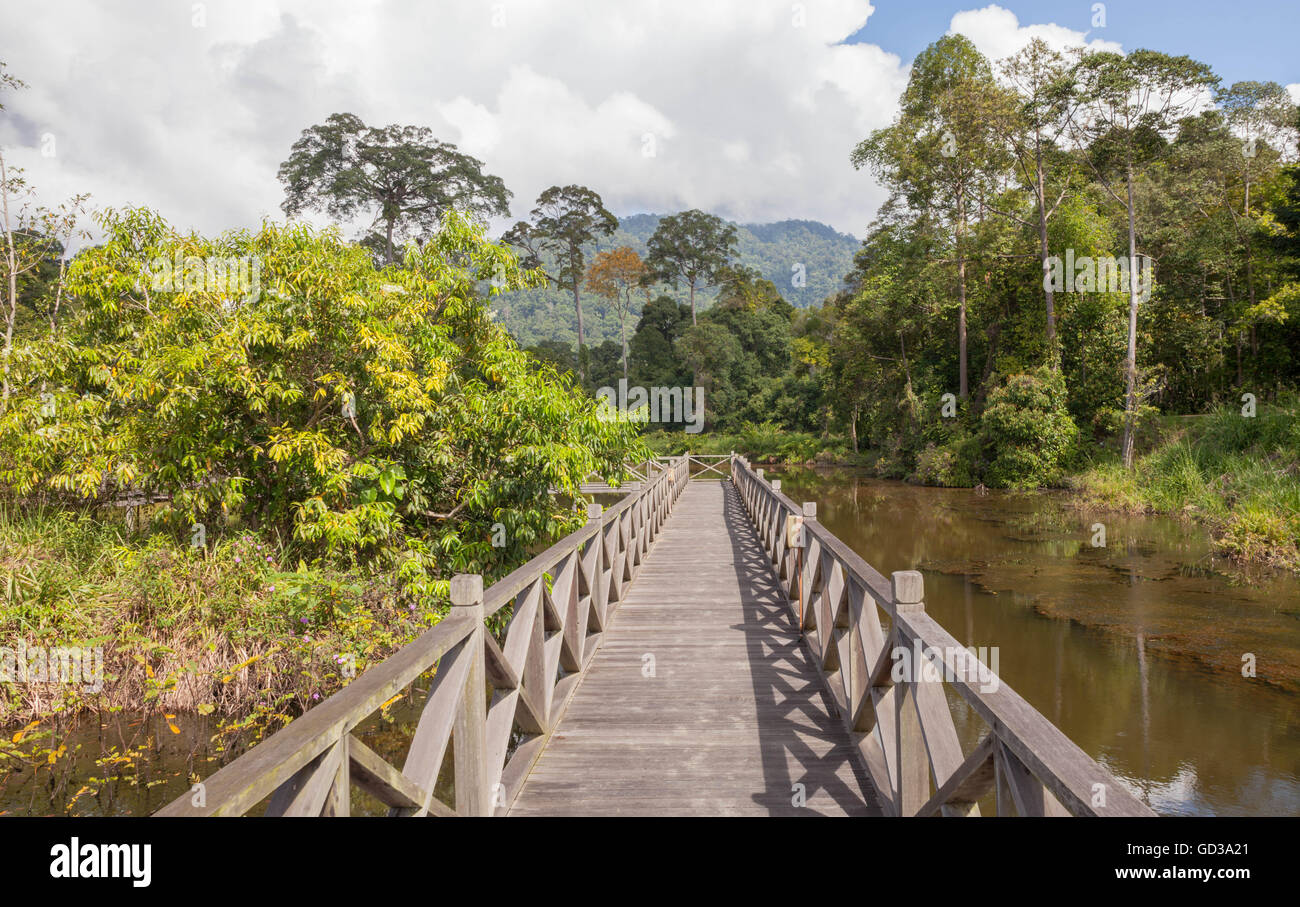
<point x="1241" y="40"/>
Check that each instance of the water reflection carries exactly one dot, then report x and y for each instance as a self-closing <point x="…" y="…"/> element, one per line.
<point x="1134" y="649"/>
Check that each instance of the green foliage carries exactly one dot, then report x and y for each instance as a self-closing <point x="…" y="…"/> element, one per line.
<point x="1239" y="474"/>
<point x="566" y="220"/>
<point x="760" y="443"/>
<point x="402" y="173"/>
<point x="1026" y="431"/>
<point x="235" y="629"/>
<point x="948" y="464"/>
<point x="353" y="413"/>
<point x="822" y="255"/>
<point x="691" y="248"/>
<point x="653" y="357"/>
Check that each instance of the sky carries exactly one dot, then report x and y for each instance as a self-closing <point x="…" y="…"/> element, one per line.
<point x="746" y="108"/>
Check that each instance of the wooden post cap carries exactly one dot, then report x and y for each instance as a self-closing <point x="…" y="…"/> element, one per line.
<point x="810" y="510"/>
<point x="776" y="484"/>
<point x="594" y="511"/>
<point x="466" y="589"/>
<point x="908" y="587"/>
<point x="759" y="472"/>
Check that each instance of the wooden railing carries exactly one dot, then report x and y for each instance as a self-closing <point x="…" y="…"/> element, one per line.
<point x="866" y="633"/>
<point x="710" y="465"/>
<point x="562" y="601"/>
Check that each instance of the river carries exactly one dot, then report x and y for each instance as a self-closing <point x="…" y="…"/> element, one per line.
<point x="1136" y="650"/>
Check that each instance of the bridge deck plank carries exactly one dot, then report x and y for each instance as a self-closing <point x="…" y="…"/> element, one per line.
<point x="735" y="714"/>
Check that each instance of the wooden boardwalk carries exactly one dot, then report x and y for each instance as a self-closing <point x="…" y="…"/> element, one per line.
<point x="651" y="664"/>
<point x="702" y="699"/>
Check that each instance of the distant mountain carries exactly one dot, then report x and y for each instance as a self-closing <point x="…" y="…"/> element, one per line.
<point x="807" y="261"/>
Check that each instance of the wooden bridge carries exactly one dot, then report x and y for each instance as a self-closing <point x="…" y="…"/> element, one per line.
<point x="702" y="647"/>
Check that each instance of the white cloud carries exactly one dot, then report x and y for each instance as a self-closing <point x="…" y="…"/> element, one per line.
<point x="750" y="107"/>
<point x="997" y="33"/>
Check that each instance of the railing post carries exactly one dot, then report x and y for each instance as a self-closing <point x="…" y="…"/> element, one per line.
<point x="470" y="734"/>
<point x="913" y="763"/>
<point x="599" y="588"/>
<point x="809" y="515"/>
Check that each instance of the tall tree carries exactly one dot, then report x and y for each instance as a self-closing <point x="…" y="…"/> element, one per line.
<point x="615" y="275"/>
<point x="940" y="155"/>
<point x="34" y="243"/>
<point x="1039" y="76"/>
<point x="407" y="177"/>
<point x="1261" y="116"/>
<point x="1286" y="210"/>
<point x="692" y="248"/>
<point x="566" y="219"/>
<point x="1127" y="106"/>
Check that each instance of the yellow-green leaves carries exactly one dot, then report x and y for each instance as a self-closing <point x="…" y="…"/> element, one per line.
<point x="280" y="377"/>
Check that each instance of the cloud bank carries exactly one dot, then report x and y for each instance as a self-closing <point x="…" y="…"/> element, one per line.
<point x="748" y="108"/>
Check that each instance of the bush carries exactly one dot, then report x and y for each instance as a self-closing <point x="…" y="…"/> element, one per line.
<point x="359" y="414"/>
<point x="949" y="465"/>
<point x="1026" y="432"/>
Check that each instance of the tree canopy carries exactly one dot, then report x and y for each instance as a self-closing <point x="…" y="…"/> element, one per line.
<point x="354" y="412"/>
<point x="692" y="248"/>
<point x="405" y="176"/>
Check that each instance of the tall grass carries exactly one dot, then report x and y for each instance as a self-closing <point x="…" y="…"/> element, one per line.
<point x="230" y="628"/>
<point x="1240" y="475"/>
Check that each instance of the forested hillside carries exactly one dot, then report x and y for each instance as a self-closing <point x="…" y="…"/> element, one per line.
<point x="775" y="250"/>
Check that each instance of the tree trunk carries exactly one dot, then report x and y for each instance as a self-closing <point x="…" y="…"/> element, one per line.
<point x="388" y="243"/>
<point x="577" y="305"/>
<point x="11" y="258"/>
<point x="1053" y="351"/>
<point x="622" y="329"/>
<point x="693" y="321"/>
<point x="1130" y="361"/>
<point x="962" y="385"/>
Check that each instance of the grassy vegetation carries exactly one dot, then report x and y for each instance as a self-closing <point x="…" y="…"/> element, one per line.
<point x="760" y="443"/>
<point x="1237" y="475"/>
<point x="231" y="630"/>
<point x="1240" y="476"/>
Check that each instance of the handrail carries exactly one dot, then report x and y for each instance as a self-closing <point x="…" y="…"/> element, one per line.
<point x="563" y="599"/>
<point x="886" y="677"/>
<point x="706" y="467"/>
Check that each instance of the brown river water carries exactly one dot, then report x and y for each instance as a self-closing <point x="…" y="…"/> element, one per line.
<point x="1134" y="650"/>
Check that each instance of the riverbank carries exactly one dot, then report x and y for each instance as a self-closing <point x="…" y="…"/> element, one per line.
<point x="1177" y="669"/>
<point x="1237" y="475"/>
<point x="763" y="443"/>
<point x="150" y="625"/>
<point x="1234" y="474"/>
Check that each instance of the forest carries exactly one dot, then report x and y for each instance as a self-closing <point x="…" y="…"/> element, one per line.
<point x="1085" y="276"/>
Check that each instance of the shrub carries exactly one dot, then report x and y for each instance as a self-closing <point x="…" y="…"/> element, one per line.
<point x="1026" y="431"/>
<point x="358" y="413"/>
<point x="948" y="464"/>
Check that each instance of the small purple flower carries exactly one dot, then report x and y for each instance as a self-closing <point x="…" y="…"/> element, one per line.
<point x="236" y="558"/>
<point x="273" y="588"/>
<point x="315" y="695"/>
<point x="305" y="620"/>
